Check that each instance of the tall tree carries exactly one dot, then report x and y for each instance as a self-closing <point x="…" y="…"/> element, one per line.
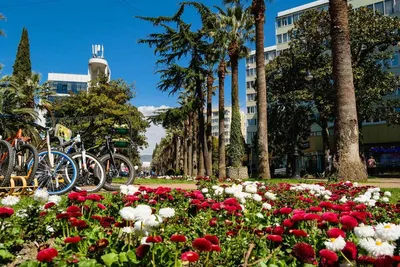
<point x="348" y="161"/>
<point x="258" y="8"/>
<point x="221" y="118"/>
<point x="239" y="26"/>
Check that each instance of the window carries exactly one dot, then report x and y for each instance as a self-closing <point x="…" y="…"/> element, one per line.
<point x="296" y="17"/>
<point x="249" y="85"/>
<point x="251" y="110"/>
<point x="395" y="59"/>
<point x="289" y="19"/>
<point x="252" y="122"/>
<point x="370" y="7"/>
<point x="389" y="7"/>
<point x="278" y="23"/>
<point x="279" y="38"/>
<point x="285" y="38"/>
<point x="379" y="8"/>
<point x="251" y="97"/>
<point x="215" y="114"/>
<point x="215" y="121"/>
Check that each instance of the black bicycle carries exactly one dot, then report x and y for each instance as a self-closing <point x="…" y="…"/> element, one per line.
<point x="119" y="169"/>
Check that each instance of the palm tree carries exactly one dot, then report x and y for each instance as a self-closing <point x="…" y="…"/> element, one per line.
<point x="2" y="33"/>
<point x="349" y="165"/>
<point x="258" y="10"/>
<point x="238" y="25"/>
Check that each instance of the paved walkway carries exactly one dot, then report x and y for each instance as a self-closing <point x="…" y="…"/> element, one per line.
<point x="383" y="183"/>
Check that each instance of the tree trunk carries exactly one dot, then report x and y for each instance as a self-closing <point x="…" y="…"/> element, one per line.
<point x="195" y="146"/>
<point x="348" y="162"/>
<point x="190" y="146"/>
<point x="258" y="10"/>
<point x="236" y="148"/>
<point x="210" y="82"/>
<point x="326" y="145"/>
<point x="185" y="148"/>
<point x="203" y="151"/>
<point x="221" y="132"/>
<point x="177" y="149"/>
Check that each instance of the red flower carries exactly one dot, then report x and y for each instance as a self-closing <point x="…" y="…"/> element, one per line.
<point x="312" y="217"/>
<point x="213" y="239"/>
<point x="80" y="224"/>
<point x="329" y="255"/>
<point x="178" y="238"/>
<point x="42" y="213"/>
<point x="231" y="201"/>
<point x="6" y="212"/>
<point x="213" y="222"/>
<point x="216" y="206"/>
<point x="190" y="256"/>
<point x="154" y="239"/>
<point x="285" y="210"/>
<point x="304" y="252"/>
<point x="359" y="215"/>
<point x="350" y="251"/>
<point x="330" y="217"/>
<point x="202" y="244"/>
<point x="101" y="206"/>
<point x="49" y="205"/>
<point x="73" y="209"/>
<point x="81" y="199"/>
<point x="384" y="261"/>
<point x="63" y="215"/>
<point x="73" y="195"/>
<point x="215" y="248"/>
<point x="72" y="240"/>
<point x="107" y="221"/>
<point x="288" y="223"/>
<point x="348" y="222"/>
<point x="335" y="233"/>
<point x="102" y="243"/>
<point x="298" y="217"/>
<point x="142" y="250"/>
<point x="326" y="205"/>
<point x="366" y="260"/>
<point x="315" y="209"/>
<point x="275" y="238"/>
<point x="47" y="255"/>
<point x="298" y="233"/>
<point x="94" y="197"/>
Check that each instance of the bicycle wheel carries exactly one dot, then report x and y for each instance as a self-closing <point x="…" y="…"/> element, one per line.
<point x="58" y="179"/>
<point x="6" y="163"/>
<point x="23" y="156"/>
<point x="93" y="178"/>
<point x="120" y="172"/>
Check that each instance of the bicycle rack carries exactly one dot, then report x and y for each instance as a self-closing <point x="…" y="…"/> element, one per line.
<point x="18" y="187"/>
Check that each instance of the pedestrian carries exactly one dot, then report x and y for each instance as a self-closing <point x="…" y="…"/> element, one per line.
<point x="371" y="166"/>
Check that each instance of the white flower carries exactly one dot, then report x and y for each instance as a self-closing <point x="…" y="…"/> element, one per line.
<point x="343" y="199"/>
<point x="251" y="188"/>
<point x="140" y="229"/>
<point x="219" y="191"/>
<point x="257" y="197"/>
<point x="142" y="212"/>
<point x="355" y="184"/>
<point x="128" y="230"/>
<point x="266" y="206"/>
<point x="385" y="199"/>
<point x="208" y="196"/>
<point x="371" y="203"/>
<point x="375" y="197"/>
<point x="128" y="213"/>
<point x="55" y="199"/>
<point x="376" y="247"/>
<point x="153" y="221"/>
<point x="132" y="190"/>
<point x="41" y="195"/>
<point x="363" y="231"/>
<point x="270" y="196"/>
<point x="167" y="212"/>
<point x="335" y="244"/>
<point x="327" y="197"/>
<point x="215" y="187"/>
<point x="123" y="189"/>
<point x="49" y="229"/>
<point x="21" y="213"/>
<point x="143" y="241"/>
<point x="388" y="194"/>
<point x="259" y="215"/>
<point x="204" y="190"/>
<point x="10" y="201"/>
<point x="387" y="231"/>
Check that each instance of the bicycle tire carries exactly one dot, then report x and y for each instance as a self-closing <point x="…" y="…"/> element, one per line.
<point x="42" y="179"/>
<point x="131" y="178"/>
<point x="30" y="172"/>
<point x="97" y="171"/>
<point x="7" y="159"/>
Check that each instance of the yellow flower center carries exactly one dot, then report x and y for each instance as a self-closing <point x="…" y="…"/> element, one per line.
<point x="387" y="226"/>
<point x="333" y="240"/>
<point x="378" y="243"/>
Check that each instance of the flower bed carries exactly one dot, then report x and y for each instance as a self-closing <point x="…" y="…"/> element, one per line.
<point x="248" y="224"/>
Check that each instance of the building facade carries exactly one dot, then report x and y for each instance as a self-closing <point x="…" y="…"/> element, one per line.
<point x="312" y="149"/>
<point x="228" y="121"/>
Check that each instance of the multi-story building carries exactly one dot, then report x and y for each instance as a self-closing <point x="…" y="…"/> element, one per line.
<point x="313" y="147"/>
<point x="228" y="120"/>
<point x="64" y="83"/>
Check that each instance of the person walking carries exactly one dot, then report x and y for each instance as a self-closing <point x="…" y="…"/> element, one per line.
<point x="371" y="166"/>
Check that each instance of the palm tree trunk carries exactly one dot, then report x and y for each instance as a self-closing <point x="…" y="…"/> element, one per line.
<point x="258" y="10"/>
<point x="177" y="149"/>
<point x="203" y="151"/>
<point x="195" y="145"/>
<point x="325" y="144"/>
<point x="221" y="106"/>
<point x="190" y="146"/>
<point x="185" y="148"/>
<point x="236" y="138"/>
<point x="349" y="166"/>
<point x="210" y="82"/>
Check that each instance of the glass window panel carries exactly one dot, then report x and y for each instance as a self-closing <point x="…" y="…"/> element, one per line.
<point x="289" y="20"/>
<point x="279" y="36"/>
<point x="388" y="7"/>
<point x="379" y="7"/>
<point x="278" y="22"/>
<point x="285" y="37"/>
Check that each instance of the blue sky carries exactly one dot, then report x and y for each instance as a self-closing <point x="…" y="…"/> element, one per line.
<point x="61" y="33"/>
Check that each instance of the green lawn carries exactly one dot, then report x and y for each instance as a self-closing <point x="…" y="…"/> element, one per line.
<point x="162" y="181"/>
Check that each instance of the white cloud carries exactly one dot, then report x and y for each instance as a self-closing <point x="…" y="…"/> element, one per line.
<point x="154" y="133"/>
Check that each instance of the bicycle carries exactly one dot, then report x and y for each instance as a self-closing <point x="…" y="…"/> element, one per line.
<point x="91" y="171"/>
<point x="57" y="171"/>
<point x="119" y="169"/>
<point x="7" y="159"/>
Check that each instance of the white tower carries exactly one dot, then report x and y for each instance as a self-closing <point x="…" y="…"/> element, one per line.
<point x="97" y="64"/>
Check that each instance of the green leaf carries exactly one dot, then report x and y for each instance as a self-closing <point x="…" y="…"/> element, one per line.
<point x="132" y="257"/>
<point x="30" y="264"/>
<point x="123" y="257"/>
<point x="88" y="263"/>
<point x="110" y="258"/>
<point x="5" y="254"/>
